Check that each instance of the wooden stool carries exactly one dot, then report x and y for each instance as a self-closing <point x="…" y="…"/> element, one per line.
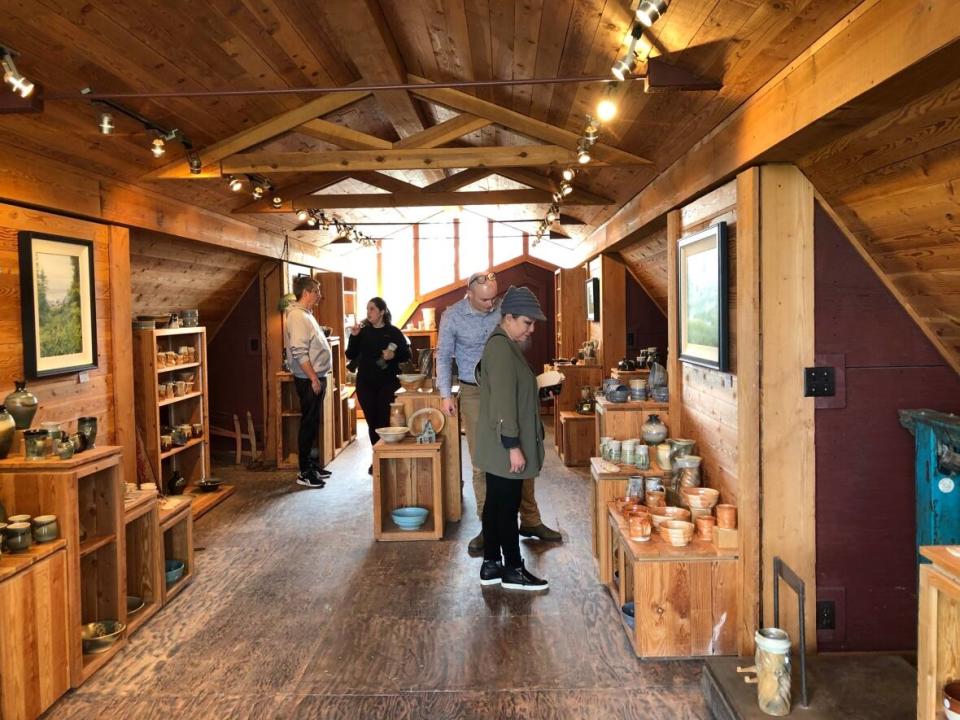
<point x="407" y="474"/>
<point x="576" y="431"/>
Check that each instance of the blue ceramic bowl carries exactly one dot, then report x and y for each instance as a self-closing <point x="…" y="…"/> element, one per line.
<point x="409" y="518"/>
<point x="174" y="570"/>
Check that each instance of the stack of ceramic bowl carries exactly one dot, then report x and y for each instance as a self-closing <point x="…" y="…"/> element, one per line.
<point x="676" y="532"/>
<point x="660" y="394"/>
<point x="660" y="515"/>
<point x="638" y="389"/>
<point x="701" y="498"/>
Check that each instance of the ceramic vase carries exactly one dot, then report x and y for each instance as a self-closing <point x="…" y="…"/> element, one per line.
<point x="22" y="404"/>
<point x="8" y="429"/>
<point x="87" y="426"/>
<point x="653" y="431"/>
<point x="177" y="483"/>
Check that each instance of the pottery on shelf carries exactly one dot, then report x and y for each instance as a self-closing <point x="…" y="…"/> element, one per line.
<point x="177" y="483"/>
<point x="8" y="429"/>
<point x="653" y="431"/>
<point x="398" y="418"/>
<point x="22" y="404"/>
<point x="87" y="426"/>
<point x="35" y="444"/>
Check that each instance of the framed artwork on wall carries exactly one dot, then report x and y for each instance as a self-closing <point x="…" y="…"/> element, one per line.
<point x="593" y="300"/>
<point x="702" y="298"/>
<point x="57" y="304"/>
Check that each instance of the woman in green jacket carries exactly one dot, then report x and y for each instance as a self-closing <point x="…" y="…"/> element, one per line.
<point x="509" y="445"/>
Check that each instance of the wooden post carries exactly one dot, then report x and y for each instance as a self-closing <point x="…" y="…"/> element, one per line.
<point x="121" y="319"/>
<point x="674" y="223"/>
<point x="787" y="452"/>
<point x="271" y="342"/>
<point x="613" y="313"/>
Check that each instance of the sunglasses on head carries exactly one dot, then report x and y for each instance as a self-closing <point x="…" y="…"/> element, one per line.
<point x="483" y="279"/>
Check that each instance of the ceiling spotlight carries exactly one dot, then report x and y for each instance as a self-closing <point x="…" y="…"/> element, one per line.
<point x="159" y="148"/>
<point x="565" y="188"/>
<point x="302" y="215"/>
<point x="106" y="123"/>
<point x="553" y="213"/>
<point x="312" y="221"/>
<point x="583" y="152"/>
<point x="606" y="109"/>
<point x="277" y="201"/>
<point x="592" y="130"/>
<point x="258" y="191"/>
<point x="17" y="82"/>
<point x="650" y="11"/>
<point x="193" y="161"/>
<point x="625" y="65"/>
<point x="235" y="183"/>
<point x="569" y="174"/>
<point x="340" y="239"/>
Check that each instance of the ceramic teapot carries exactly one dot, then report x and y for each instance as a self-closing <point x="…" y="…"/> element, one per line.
<point x="22" y="405"/>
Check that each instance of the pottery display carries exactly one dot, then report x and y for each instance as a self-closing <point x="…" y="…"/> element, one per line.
<point x="653" y="431"/>
<point x="392" y="434"/>
<point x="418" y="420"/>
<point x="661" y="515"/>
<point x="8" y="430"/>
<point x="641" y="457"/>
<point x="614" y="450"/>
<point x="681" y="447"/>
<point x="176" y="484"/>
<point x="22" y="405"/>
<point x="398" y="417"/>
<point x="678" y="533"/>
<point x="663" y="456"/>
<point x="705" y="525"/>
<point x="210" y="484"/>
<point x="197" y="430"/>
<point x="628" y="451"/>
<point x="35" y="444"/>
<point x="97" y="637"/>
<point x="409" y="518"/>
<point x="627" y="365"/>
<point x="166" y="442"/>
<point x="45" y="528"/>
<point x="180" y="437"/>
<point x="702" y="498"/>
<point x="64" y="449"/>
<point x="655" y="498"/>
<point x="19" y="519"/>
<point x="772" y="666"/>
<point x="17" y="536"/>
<point x="87" y="426"/>
<point x="689" y="471"/>
<point x="134" y="605"/>
<point x="411" y="381"/>
<point x="727" y="516"/>
<point x="639" y="527"/>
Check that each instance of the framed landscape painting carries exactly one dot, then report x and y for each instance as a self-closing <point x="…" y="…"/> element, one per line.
<point x="702" y="296"/>
<point x="593" y="300"/>
<point x="57" y="304"/>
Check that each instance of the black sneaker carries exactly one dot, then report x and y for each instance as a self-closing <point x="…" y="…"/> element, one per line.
<point x="490" y="572"/>
<point x="310" y="479"/>
<point x="370" y="470"/>
<point x="522" y="579"/>
<point x="322" y="472"/>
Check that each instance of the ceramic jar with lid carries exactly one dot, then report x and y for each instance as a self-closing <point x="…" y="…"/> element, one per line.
<point x="17" y="537"/>
<point x="653" y="431"/>
<point x="398" y="417"/>
<point x="8" y="430"/>
<point x="45" y="528"/>
<point x="22" y="404"/>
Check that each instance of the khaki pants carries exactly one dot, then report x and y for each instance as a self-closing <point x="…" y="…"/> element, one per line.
<point x="469" y="413"/>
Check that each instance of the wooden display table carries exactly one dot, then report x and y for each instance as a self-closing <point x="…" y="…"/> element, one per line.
<point x="938" y="654"/>
<point x="452" y="473"/>
<point x="623" y="421"/>
<point x="36" y="637"/>
<point x="607" y="487"/>
<point x="408" y="474"/>
<point x="685" y="598"/>
<point x="575" y="435"/>
<point x="287" y="421"/>
<point x="625" y="376"/>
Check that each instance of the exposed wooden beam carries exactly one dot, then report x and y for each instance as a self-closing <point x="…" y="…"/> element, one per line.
<point x="545" y="182"/>
<point x="385" y="182"/>
<point x="521" y="123"/>
<point x="412" y="159"/>
<point x="832" y="74"/>
<point x="296" y="190"/>
<point x="178" y="169"/>
<point x="342" y="136"/>
<point x="458" y="180"/>
<point x="444" y="132"/>
<point x="424" y="199"/>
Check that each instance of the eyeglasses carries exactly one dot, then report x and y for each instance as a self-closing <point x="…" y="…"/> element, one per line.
<point x="482" y="279"/>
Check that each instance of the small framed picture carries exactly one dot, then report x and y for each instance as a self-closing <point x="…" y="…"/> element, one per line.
<point x="57" y="304"/>
<point x="593" y="300"/>
<point x="702" y="298"/>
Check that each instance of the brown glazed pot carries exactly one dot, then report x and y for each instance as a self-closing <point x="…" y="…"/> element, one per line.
<point x="727" y="517"/>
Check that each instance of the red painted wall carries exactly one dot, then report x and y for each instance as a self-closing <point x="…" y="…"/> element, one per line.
<point x="645" y="321"/>
<point x="540" y="281"/>
<point x="865" y="475"/>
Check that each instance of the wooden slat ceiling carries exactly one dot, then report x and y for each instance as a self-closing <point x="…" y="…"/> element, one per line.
<point x="113" y="45"/>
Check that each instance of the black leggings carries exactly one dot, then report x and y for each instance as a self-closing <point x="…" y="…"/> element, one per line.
<point x="500" y="520"/>
<point x="375" y="401"/>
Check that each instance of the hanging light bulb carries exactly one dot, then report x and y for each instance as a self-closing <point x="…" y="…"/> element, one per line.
<point x="569" y="174"/>
<point x="650" y="11"/>
<point x="606" y="109"/>
<point x="106" y="123"/>
<point x="235" y="183"/>
<point x="583" y="152"/>
<point x="312" y="221"/>
<point x="257" y="192"/>
<point x="302" y="215"/>
<point x="158" y="147"/>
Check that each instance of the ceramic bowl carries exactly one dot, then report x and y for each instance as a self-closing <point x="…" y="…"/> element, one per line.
<point x="392" y="434"/>
<point x="173" y="570"/>
<point x="951" y="700"/>
<point x="676" y="532"/>
<point x="45" y="528"/>
<point x="661" y="515"/>
<point x="410" y="382"/>
<point x="134" y="605"/>
<point x="700" y="497"/>
<point x="409" y="518"/>
<point x="210" y="485"/>
<point x="99" y="636"/>
<point x="17" y="537"/>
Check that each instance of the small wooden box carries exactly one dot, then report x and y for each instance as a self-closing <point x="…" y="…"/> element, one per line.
<point x="408" y="474"/>
<point x="725" y="539"/>
<point x="578" y="441"/>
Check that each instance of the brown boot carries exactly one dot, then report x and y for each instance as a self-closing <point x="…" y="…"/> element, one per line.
<point x="476" y="545"/>
<point x="541" y="532"/>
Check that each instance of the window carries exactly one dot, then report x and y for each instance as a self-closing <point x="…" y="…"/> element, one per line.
<point x="397" y="272"/>
<point x="474" y="244"/>
<point x="507" y="243"/>
<point x="436" y="256"/>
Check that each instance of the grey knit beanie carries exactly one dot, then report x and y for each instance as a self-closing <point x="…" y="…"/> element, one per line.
<point x="521" y="301"/>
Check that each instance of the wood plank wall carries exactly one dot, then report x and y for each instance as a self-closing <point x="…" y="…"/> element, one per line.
<point x="646" y="259"/>
<point x="610" y="332"/>
<point x="62" y="398"/>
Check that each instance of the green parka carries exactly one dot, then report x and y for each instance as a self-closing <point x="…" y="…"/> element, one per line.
<point x="509" y="406"/>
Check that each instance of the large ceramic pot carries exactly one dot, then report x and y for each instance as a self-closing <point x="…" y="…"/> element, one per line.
<point x="22" y="404"/>
<point x="8" y="429"/>
<point x="653" y="431"/>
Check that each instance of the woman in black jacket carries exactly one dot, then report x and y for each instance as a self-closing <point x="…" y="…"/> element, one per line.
<point x="377" y="348"/>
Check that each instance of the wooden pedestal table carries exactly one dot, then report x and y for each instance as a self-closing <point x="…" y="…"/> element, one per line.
<point x="608" y="487"/>
<point x="176" y="527"/>
<point x="576" y="441"/>
<point x="85" y="493"/>
<point x="622" y="421"/>
<point x="36" y="637"/>
<point x="938" y="651"/>
<point x="407" y="474"/>
<point x="452" y="482"/>
<point x="685" y="598"/>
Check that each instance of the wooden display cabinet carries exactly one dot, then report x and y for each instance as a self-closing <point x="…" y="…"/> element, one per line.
<point x="287" y="419"/>
<point x="407" y="474"/>
<point x="685" y="598"/>
<point x="575" y="377"/>
<point x="153" y="413"/>
<point x="623" y="421"/>
<point x="176" y="526"/>
<point x="144" y="561"/>
<point x="938" y="651"/>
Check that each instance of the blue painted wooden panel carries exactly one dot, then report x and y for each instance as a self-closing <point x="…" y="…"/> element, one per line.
<point x="938" y="492"/>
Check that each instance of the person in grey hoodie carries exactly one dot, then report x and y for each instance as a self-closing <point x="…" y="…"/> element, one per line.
<point x="509" y="447"/>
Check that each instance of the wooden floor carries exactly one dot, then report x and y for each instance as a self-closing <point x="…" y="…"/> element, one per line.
<point x="297" y="612"/>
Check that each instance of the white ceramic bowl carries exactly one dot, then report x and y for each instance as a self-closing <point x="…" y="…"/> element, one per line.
<point x="392" y="434"/>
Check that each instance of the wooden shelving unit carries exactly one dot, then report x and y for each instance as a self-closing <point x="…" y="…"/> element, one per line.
<point x="193" y="458"/>
<point x="407" y="474"/>
<point x="176" y="527"/>
<point x="144" y="562"/>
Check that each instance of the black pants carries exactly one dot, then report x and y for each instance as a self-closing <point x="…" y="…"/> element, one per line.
<point x="311" y="420"/>
<point x="500" y="510"/>
<point x="375" y="401"/>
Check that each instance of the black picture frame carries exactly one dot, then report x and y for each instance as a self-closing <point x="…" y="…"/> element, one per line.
<point x="593" y="300"/>
<point x="703" y="330"/>
<point x="62" y="339"/>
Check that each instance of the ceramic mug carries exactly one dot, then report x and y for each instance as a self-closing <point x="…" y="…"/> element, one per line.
<point x="641" y="457"/>
<point x="727" y="516"/>
<point x="705" y="525"/>
<point x="603" y="446"/>
<point x="180" y="388"/>
<point x="615" y="447"/>
<point x="161" y="359"/>
<point x="627" y="451"/>
<point x="639" y="526"/>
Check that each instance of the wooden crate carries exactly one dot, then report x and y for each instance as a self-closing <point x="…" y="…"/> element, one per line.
<point x="144" y="556"/>
<point x="685" y="598"/>
<point x="625" y="376"/>
<point x="176" y="525"/>
<point x="36" y="638"/>
<point x="576" y="438"/>
<point x="607" y="487"/>
<point x="407" y="474"/>
<point x="938" y="648"/>
<point x="622" y="421"/>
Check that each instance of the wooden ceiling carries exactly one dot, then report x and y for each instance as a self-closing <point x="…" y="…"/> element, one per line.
<point x="224" y="45"/>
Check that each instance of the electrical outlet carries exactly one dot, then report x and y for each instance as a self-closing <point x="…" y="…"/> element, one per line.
<point x="826" y="615"/>
<point x="819" y="382"/>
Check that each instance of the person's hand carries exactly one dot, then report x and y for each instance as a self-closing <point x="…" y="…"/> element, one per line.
<point x="517" y="460"/>
<point x="448" y="406"/>
<point x="388" y="354"/>
<point x="354" y="329"/>
<point x="315" y="384"/>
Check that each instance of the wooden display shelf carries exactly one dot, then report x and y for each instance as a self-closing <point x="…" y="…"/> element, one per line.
<point x="96" y="542"/>
<point x="94" y="661"/>
<point x="177" y="449"/>
<point x="408" y="474"/>
<point x="576" y="438"/>
<point x="137" y="503"/>
<point x="181" y="398"/>
<point x="623" y="421"/>
<point x="176" y="526"/>
<point x="174" y="368"/>
<point x="90" y="458"/>
<point x="625" y="376"/>
<point x="204" y="502"/>
<point x="13" y="562"/>
<point x="938" y="656"/>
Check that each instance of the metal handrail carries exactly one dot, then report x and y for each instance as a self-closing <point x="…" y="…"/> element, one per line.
<point x="782" y="570"/>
